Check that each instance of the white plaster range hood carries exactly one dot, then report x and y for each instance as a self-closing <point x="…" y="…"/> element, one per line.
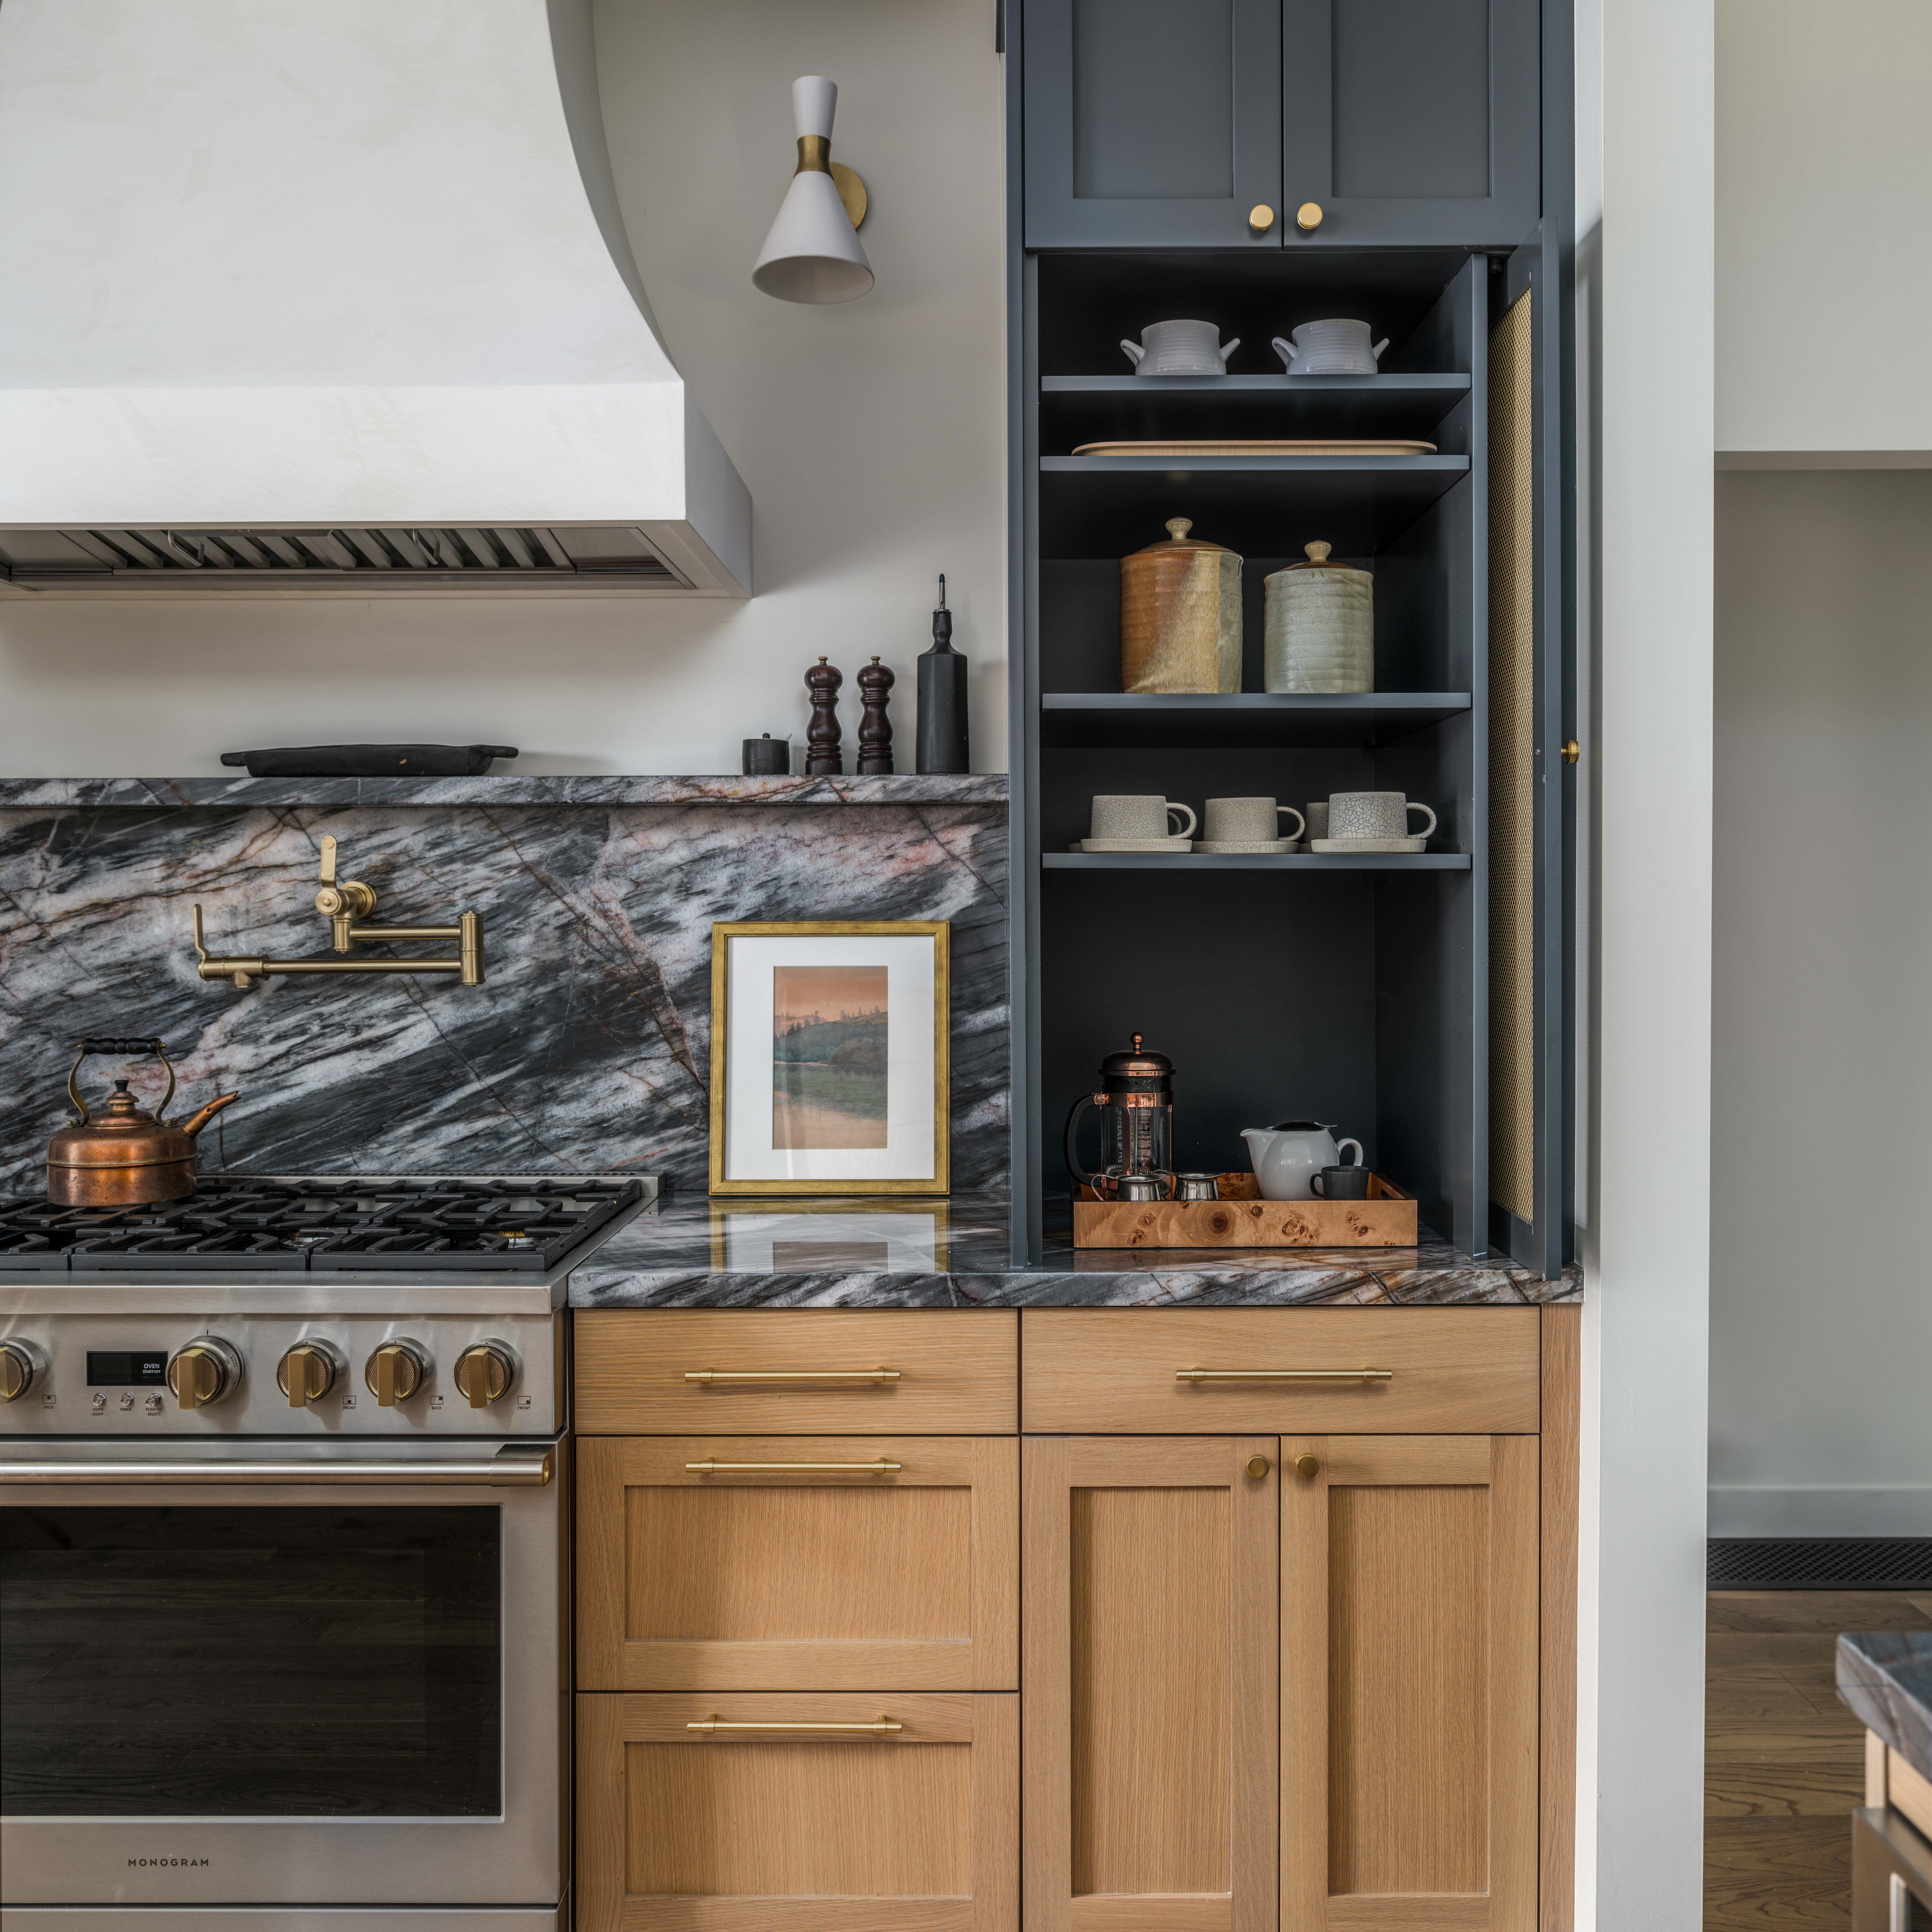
<point x="332" y="295"/>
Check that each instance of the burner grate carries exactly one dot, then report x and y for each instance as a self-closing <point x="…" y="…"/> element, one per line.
<point x="237" y="1222"/>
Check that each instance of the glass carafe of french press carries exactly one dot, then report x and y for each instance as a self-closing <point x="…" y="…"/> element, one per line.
<point x="1136" y="1104"/>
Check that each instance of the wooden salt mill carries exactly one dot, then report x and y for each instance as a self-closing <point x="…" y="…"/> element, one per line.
<point x="875" y="730"/>
<point x="823" y="758"/>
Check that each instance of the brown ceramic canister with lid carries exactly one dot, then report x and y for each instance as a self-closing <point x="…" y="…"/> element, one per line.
<point x="1181" y="615"/>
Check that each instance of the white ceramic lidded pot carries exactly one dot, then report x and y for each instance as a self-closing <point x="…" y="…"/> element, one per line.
<point x="1319" y="632"/>
<point x="1286" y="1154"/>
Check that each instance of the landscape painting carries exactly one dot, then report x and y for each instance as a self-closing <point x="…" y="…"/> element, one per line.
<point x="829" y="1056"/>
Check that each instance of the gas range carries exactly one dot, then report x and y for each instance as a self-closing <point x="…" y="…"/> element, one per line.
<point x="404" y="1308"/>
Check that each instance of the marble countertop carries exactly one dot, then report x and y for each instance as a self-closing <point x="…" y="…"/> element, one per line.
<point x="1885" y="1678"/>
<point x="500" y="788"/>
<point x="691" y="1251"/>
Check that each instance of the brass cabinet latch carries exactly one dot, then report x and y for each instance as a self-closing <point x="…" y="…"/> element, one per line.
<point x="344" y="906"/>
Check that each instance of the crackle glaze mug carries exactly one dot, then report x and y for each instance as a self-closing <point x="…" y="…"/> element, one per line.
<point x="1138" y="815"/>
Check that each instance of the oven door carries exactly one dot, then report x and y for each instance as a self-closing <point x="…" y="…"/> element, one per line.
<point x="307" y="1675"/>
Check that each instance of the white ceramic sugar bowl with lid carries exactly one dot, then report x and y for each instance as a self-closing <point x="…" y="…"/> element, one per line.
<point x="1319" y="627"/>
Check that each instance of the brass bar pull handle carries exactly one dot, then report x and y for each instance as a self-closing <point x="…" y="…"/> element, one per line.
<point x="708" y="1376"/>
<point x="879" y="1726"/>
<point x="1284" y="1375"/>
<point x="879" y="1466"/>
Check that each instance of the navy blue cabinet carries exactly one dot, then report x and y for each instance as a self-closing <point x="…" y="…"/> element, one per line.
<point x="1214" y="124"/>
<point x="1152" y="123"/>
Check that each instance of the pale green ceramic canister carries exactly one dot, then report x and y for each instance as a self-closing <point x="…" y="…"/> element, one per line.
<point x="1319" y="632"/>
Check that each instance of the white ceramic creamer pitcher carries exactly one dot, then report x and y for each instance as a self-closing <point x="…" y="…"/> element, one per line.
<point x="1286" y="1154"/>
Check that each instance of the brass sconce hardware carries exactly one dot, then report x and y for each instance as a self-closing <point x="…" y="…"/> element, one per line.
<point x="344" y="905"/>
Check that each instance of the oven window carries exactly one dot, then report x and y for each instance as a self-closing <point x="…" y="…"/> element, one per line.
<point x="265" y="1662"/>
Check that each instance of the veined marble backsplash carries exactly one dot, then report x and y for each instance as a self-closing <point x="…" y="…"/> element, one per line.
<point x="587" y="1048"/>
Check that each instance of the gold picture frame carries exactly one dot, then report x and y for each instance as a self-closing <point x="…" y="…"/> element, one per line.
<point x="730" y="1158"/>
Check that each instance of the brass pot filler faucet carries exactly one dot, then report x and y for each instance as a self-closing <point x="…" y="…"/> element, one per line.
<point x="343" y="905"/>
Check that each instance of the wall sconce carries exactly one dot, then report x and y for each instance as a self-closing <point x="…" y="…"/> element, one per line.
<point x="812" y="253"/>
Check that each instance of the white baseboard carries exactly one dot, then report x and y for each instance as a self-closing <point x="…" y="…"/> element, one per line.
<point x="1897" y="1509"/>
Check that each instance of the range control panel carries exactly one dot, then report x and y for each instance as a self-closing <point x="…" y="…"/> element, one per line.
<point x="231" y="1375"/>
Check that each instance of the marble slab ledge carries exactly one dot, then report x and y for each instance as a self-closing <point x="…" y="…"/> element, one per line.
<point x="691" y="1252"/>
<point x="1885" y="1678"/>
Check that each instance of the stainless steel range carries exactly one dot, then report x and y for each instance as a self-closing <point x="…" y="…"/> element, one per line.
<point x="283" y="1567"/>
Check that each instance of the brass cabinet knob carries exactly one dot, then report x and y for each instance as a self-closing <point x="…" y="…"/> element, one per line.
<point x="1258" y="1466"/>
<point x="201" y="1374"/>
<point x="1570" y="750"/>
<point x="1260" y="218"/>
<point x="19" y="1363"/>
<point x="483" y="1373"/>
<point x="1308" y="217"/>
<point x="307" y="1373"/>
<point x="1307" y="1466"/>
<point x="394" y="1372"/>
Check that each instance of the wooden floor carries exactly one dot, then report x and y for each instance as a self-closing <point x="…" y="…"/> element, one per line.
<point x="1784" y="1759"/>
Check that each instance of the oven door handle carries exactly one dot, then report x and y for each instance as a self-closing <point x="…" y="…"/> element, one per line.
<point x="516" y="1465"/>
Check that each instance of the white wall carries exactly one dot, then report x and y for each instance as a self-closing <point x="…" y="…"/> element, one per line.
<point x="1821" y="1323"/>
<point x="1646" y="765"/>
<point x="871" y="435"/>
<point x="1824" y="277"/>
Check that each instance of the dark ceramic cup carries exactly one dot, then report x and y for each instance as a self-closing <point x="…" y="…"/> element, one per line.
<point x="1340" y="1183"/>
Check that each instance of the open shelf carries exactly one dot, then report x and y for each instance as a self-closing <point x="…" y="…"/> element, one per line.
<point x="1231" y="720"/>
<point x="1255" y="862"/>
<point x="1101" y="506"/>
<point x="1091" y="409"/>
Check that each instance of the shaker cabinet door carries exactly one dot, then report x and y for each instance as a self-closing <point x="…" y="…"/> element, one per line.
<point x="1148" y="1673"/>
<point x="1409" y="1684"/>
<point x="798" y="1563"/>
<point x="1152" y="124"/>
<point x="1532" y="787"/>
<point x="1412" y="121"/>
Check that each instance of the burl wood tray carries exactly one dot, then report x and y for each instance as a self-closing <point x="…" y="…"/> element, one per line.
<point x="1241" y="1219"/>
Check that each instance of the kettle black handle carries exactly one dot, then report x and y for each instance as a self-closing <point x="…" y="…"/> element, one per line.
<point x="115" y="1044"/>
<point x="1081" y="1178"/>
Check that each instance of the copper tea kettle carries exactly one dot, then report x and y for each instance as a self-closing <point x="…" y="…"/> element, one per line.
<point x="121" y="1156"/>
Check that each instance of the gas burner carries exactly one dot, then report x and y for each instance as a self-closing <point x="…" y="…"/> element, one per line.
<point x="236" y="1222"/>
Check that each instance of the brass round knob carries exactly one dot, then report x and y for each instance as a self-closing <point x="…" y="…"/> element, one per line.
<point x="201" y="1374"/>
<point x="307" y="1373"/>
<point x="1258" y="1466"/>
<point x="1570" y="750"/>
<point x="1260" y="218"/>
<point x="20" y="1362"/>
<point x="484" y="1373"/>
<point x="1307" y="1466"/>
<point x="394" y="1372"/>
<point x="1308" y="217"/>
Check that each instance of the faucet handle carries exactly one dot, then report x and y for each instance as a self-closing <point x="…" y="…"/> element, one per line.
<point x="351" y="900"/>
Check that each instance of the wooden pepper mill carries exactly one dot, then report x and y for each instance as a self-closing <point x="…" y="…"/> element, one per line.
<point x="875" y="730"/>
<point x="822" y="757"/>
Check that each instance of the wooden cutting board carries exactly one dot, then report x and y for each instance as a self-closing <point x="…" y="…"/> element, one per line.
<point x="1265" y="446"/>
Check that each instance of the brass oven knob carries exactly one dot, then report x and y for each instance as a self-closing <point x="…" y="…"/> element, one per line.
<point x="1308" y="217"/>
<point x="483" y="1373"/>
<point x="20" y="1362"/>
<point x="307" y="1373"/>
<point x="394" y="1373"/>
<point x="204" y="1372"/>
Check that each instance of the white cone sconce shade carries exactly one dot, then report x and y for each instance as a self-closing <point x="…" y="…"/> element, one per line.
<point x="812" y="253"/>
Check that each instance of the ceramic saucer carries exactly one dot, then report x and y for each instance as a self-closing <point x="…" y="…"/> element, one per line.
<point x="1135" y="845"/>
<point x="1368" y="844"/>
<point x="1247" y="845"/>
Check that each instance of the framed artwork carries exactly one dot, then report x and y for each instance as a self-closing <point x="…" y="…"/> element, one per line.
<point x="830" y="1071"/>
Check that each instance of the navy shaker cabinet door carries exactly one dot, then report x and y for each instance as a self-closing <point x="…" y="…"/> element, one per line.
<point x="1152" y="123"/>
<point x="1415" y="121"/>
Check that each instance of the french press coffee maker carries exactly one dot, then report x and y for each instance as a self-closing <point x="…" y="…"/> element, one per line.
<point x="1136" y="1104"/>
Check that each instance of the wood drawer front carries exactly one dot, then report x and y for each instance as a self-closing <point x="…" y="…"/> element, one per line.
<point x="956" y="1373"/>
<point x="798" y="1830"/>
<point x="778" y="1579"/>
<point x="1114" y="1371"/>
